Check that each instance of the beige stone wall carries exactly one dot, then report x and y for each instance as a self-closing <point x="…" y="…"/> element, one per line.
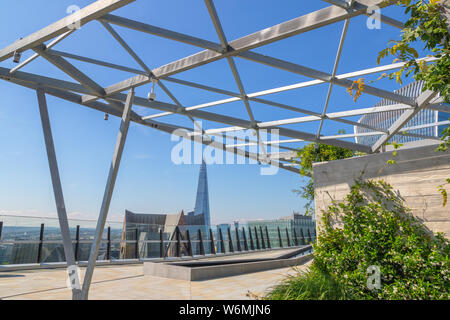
<point x="416" y="176"/>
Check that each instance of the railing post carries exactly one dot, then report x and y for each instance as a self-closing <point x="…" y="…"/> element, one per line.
<point x="295" y="238"/>
<point x="178" y="236"/>
<point x="238" y="240"/>
<point x="108" y="245"/>
<point x="1" y="228"/>
<point x="136" y="249"/>
<point x="309" y="236"/>
<point x="161" y="244"/>
<point x="200" y="238"/>
<point x="268" y="239"/>
<point x="77" y="242"/>
<point x="230" y="241"/>
<point x="256" y="238"/>
<point x="252" y="245"/>
<point x="245" y="239"/>
<point x="41" y="241"/>
<point x="188" y="236"/>
<point x="303" y="236"/>
<point x="288" y="239"/>
<point x="213" y="245"/>
<point x="222" y="243"/>
<point x="262" y="238"/>
<point x="279" y="237"/>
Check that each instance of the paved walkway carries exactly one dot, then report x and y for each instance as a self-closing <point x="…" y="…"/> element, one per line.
<point x="129" y="282"/>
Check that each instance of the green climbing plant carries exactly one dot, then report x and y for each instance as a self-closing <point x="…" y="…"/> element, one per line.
<point x="309" y="154"/>
<point x="376" y="228"/>
<point x="372" y="227"/>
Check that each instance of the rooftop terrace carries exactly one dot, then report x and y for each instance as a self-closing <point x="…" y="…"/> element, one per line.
<point x="129" y="282"/>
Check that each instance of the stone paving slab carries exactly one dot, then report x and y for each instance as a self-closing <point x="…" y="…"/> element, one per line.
<point x="129" y="283"/>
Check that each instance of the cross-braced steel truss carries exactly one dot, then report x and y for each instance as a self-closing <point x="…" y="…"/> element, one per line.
<point x="87" y="92"/>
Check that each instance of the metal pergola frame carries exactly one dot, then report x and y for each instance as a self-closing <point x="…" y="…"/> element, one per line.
<point x="85" y="91"/>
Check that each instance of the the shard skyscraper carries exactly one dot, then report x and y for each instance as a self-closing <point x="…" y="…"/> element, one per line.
<point x="202" y="200"/>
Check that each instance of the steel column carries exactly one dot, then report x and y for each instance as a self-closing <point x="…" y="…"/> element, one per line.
<point x="295" y="238"/>
<point x="252" y="245"/>
<point x="77" y="242"/>
<point x="136" y="245"/>
<point x="108" y="245"/>
<point x="213" y="245"/>
<point x="200" y="238"/>
<point x="262" y="238"/>
<point x="41" y="242"/>
<point x="161" y="244"/>
<point x="58" y="193"/>
<point x="113" y="171"/>
<point x="245" y="239"/>
<point x="222" y="244"/>
<point x="257" y="238"/>
<point x="238" y="240"/>
<point x="288" y="239"/>
<point x="279" y="237"/>
<point x="188" y="236"/>
<point x="230" y="241"/>
<point x="268" y="239"/>
<point x="178" y="239"/>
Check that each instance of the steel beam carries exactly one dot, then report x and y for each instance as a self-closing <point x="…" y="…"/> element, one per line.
<point x="73" y="72"/>
<point x="22" y="77"/>
<point x="113" y="171"/>
<point x="281" y="31"/>
<point x="131" y="52"/>
<point x="333" y="74"/>
<point x="383" y="18"/>
<point x="224" y="43"/>
<point x="253" y="96"/>
<point x="86" y="14"/>
<point x="186" y="134"/>
<point x="422" y="101"/>
<point x="76" y="74"/>
<point x="123" y="43"/>
<point x="94" y="61"/>
<point x="43" y="81"/>
<point x="245" y="124"/>
<point x="59" y="197"/>
<point x="168" y="128"/>
<point x="160" y="32"/>
<point x="319" y="75"/>
<point x="48" y="46"/>
<point x="208" y="116"/>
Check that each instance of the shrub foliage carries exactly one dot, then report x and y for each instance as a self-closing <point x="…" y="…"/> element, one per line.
<point x="373" y="227"/>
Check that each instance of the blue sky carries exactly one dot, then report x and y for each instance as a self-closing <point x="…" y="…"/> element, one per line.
<point x="148" y="181"/>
